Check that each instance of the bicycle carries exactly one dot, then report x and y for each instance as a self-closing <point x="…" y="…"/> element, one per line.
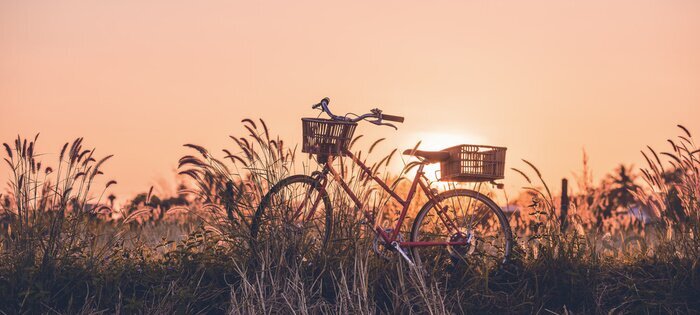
<point x="302" y="202"/>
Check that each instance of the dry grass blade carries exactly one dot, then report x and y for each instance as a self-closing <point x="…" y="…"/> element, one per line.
<point x="656" y="156"/>
<point x="246" y="147"/>
<point x="199" y="149"/>
<point x="647" y="176"/>
<point x="410" y="166"/>
<point x="63" y="152"/>
<point x="194" y="174"/>
<point x="352" y="143"/>
<point x="651" y="165"/>
<point x="81" y="156"/>
<point x="671" y="156"/>
<point x="273" y="144"/>
<point x="99" y="164"/>
<point x="254" y="134"/>
<point x="148" y="197"/>
<point x="251" y="122"/>
<point x="9" y="151"/>
<point x="673" y="164"/>
<point x="190" y="160"/>
<point x="137" y="214"/>
<point x="30" y="150"/>
<point x="101" y="209"/>
<point x="74" y="150"/>
<point x="267" y="131"/>
<point x="221" y="165"/>
<point x="371" y="148"/>
<point x="647" y="159"/>
<point x="385" y="160"/>
<point x="89" y="158"/>
<point x="12" y="167"/>
<point x="685" y="130"/>
<point x="537" y="171"/>
<point x="523" y="175"/>
<point x="235" y="158"/>
<point x="390" y="156"/>
<point x="686" y="140"/>
<point x="539" y="175"/>
<point x="673" y="145"/>
<point x="415" y="147"/>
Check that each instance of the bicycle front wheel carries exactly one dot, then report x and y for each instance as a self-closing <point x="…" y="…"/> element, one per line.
<point x="465" y="217"/>
<point x="295" y="213"/>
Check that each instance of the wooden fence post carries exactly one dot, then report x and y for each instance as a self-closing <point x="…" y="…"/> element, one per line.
<point x="564" y="204"/>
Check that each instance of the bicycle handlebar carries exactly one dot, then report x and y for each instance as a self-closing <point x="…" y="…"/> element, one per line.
<point x="323" y="104"/>
<point x="397" y="119"/>
<point x="374" y="113"/>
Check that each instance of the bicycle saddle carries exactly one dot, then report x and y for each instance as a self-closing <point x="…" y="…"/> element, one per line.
<point x="429" y="156"/>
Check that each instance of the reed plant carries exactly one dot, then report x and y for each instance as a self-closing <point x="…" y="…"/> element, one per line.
<point x="64" y="251"/>
<point x="52" y="216"/>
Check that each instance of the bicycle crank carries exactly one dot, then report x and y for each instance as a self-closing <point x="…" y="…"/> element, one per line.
<point x="398" y="248"/>
<point x="382" y="249"/>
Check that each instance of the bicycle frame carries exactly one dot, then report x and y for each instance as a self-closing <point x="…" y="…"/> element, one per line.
<point x="389" y="238"/>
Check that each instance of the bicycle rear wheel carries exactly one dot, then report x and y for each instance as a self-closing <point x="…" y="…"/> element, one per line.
<point x="295" y="213"/>
<point x="467" y="217"/>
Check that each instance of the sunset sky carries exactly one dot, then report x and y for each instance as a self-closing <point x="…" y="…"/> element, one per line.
<point x="544" y="78"/>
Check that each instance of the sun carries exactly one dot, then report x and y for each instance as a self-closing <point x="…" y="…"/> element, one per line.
<point x="436" y="141"/>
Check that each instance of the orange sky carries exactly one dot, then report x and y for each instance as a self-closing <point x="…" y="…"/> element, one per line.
<point x="544" y="78"/>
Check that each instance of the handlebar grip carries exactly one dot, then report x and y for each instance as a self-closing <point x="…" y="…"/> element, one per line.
<point x="323" y="102"/>
<point x="398" y="119"/>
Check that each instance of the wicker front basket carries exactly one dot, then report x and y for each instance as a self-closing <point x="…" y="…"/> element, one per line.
<point x="326" y="136"/>
<point x="473" y="163"/>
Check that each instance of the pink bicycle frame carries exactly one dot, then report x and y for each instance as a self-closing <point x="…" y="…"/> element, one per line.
<point x="392" y="237"/>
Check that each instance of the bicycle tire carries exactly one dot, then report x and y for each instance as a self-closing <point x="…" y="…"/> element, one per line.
<point x="267" y="215"/>
<point x="442" y="197"/>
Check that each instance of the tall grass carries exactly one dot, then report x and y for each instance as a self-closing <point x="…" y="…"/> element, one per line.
<point x="51" y="216"/>
<point x="672" y="191"/>
<point x="65" y="252"/>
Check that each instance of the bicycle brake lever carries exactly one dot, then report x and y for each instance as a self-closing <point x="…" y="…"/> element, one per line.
<point x="380" y="123"/>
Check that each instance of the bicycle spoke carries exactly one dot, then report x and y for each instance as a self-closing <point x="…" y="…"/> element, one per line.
<point x="296" y="212"/>
<point x="477" y="226"/>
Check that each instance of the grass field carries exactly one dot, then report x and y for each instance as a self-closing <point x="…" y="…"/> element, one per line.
<point x="66" y="249"/>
